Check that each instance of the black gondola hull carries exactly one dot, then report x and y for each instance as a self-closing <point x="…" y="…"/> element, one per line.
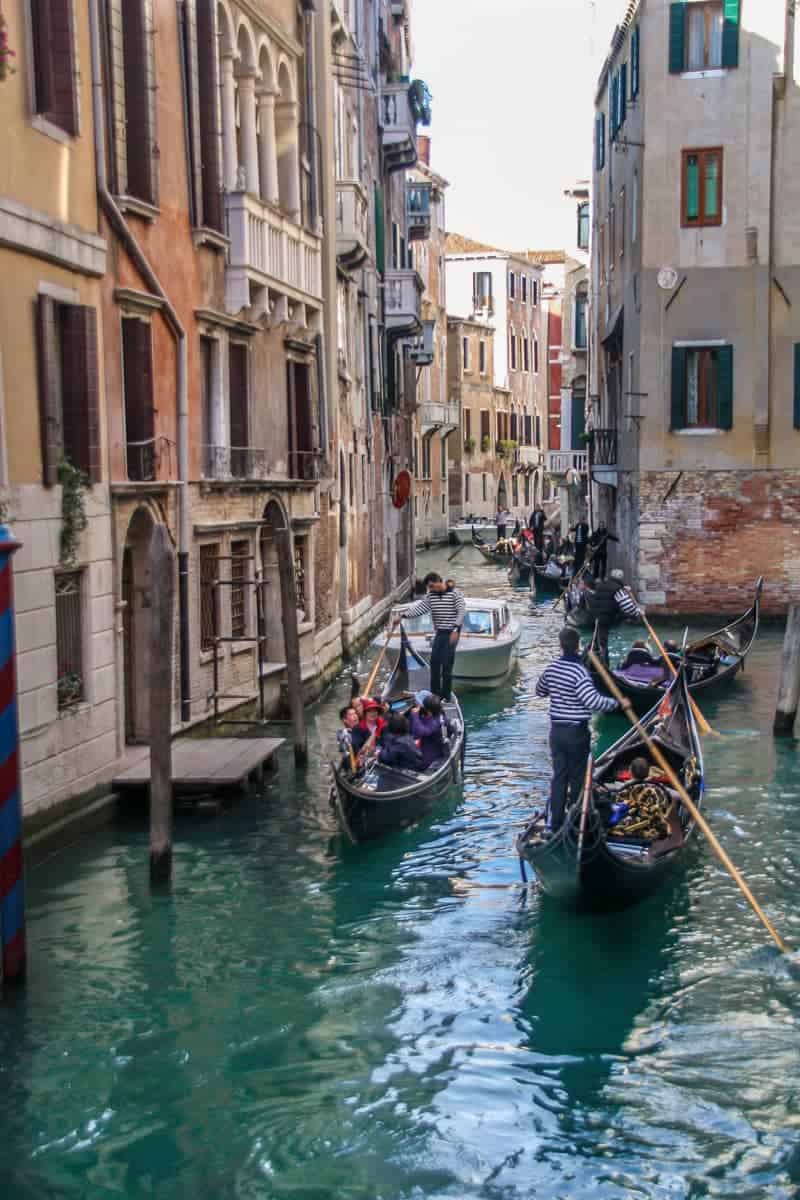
<point x="366" y="816"/>
<point x="548" y="585"/>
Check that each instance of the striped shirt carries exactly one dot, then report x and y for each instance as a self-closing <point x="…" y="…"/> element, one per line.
<point x="573" y="696"/>
<point x="447" y="609"/>
<point x="626" y="603"/>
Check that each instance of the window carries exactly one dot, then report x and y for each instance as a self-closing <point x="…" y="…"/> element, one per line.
<point x="514" y="427"/>
<point x="583" y="226"/>
<point x="466" y="487"/>
<point x="513" y="352"/>
<point x="482" y="356"/>
<point x="484" y="494"/>
<point x="526" y="353"/>
<point x="133" y="98"/>
<point x="467" y="424"/>
<point x="538" y="421"/>
<point x="239" y="401"/>
<point x="701" y="192"/>
<point x="66" y="344"/>
<point x="524" y="280"/>
<point x="534" y="292"/>
<point x="209" y="598"/>
<point x="482" y="291"/>
<point x="612" y="237"/>
<point x="619" y="99"/>
<point x="69" y="638"/>
<point x="465" y="353"/>
<point x="600" y="141"/>
<point x="486" y="431"/>
<point x="635" y="208"/>
<point x="54" y="67"/>
<point x="635" y="51"/>
<point x="426" y="457"/>
<point x="137" y="378"/>
<point x="240" y="573"/>
<point x="443" y="458"/>
<point x="535" y="355"/>
<point x="703" y="35"/>
<point x="581" y="303"/>
<point x="622" y="223"/>
<point x="702" y="387"/>
<point x="209" y="209"/>
<point x="512" y="285"/>
<point x="528" y="433"/>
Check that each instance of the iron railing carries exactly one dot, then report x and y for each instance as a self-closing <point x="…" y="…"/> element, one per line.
<point x="69" y="638"/>
<point x="604" y="448"/>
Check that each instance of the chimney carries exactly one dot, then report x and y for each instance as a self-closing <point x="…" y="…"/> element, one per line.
<point x="424" y="149"/>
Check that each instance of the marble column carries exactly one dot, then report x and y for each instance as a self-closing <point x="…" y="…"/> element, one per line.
<point x="289" y="156"/>
<point x="230" y="155"/>
<point x="268" y="159"/>
<point x="247" y="119"/>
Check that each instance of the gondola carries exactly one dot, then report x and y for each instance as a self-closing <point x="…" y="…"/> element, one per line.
<point x="520" y="569"/>
<point x="610" y="867"/>
<point x="548" y="585"/>
<point x="581" y="618"/>
<point x="710" y="662"/>
<point x="378" y="799"/>
<point x="491" y="553"/>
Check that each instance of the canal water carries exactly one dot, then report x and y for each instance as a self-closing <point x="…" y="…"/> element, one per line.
<point x="308" y="1020"/>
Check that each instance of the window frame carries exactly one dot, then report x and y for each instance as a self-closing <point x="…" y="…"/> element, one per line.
<point x="64" y="576"/>
<point x="702" y="221"/>
<point x="706" y="6"/>
<point x="482" y="358"/>
<point x="722" y="418"/>
<point x="512" y="286"/>
<point x="465" y="355"/>
<point x="584" y="222"/>
<point x="210" y="608"/>
<point x="61" y="126"/>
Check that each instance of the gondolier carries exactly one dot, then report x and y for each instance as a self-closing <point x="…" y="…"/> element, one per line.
<point x="605" y="603"/>
<point x="573" y="699"/>
<point x="582" y="532"/>
<point x="536" y="521"/>
<point x="447" y="609"/>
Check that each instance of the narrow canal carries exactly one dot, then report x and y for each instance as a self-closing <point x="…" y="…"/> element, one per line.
<point x="305" y="1019"/>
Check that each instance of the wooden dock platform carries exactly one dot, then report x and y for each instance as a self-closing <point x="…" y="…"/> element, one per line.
<point x="202" y="764"/>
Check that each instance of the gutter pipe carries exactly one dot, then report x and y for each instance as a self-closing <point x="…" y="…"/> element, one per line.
<point x="123" y="232"/>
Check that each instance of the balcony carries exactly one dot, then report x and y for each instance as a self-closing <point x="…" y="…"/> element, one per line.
<point x="527" y="458"/>
<point x="418" y="211"/>
<point x="352" y="223"/>
<point x="402" y="301"/>
<point x="340" y="20"/>
<point x="144" y="460"/>
<point x="604" y="448"/>
<point x="399" y="125"/>
<point x="271" y="260"/>
<point x="441" y="418"/>
<point x="559" y="462"/>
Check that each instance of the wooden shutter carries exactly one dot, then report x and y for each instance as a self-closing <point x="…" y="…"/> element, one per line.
<point x="725" y="400"/>
<point x="600" y="141"/>
<point x="210" y="124"/>
<point x="623" y="93"/>
<point x="614" y="102"/>
<point x="677" y="37"/>
<point x="797" y="385"/>
<point x="80" y="399"/>
<point x="730" y="33"/>
<point x="380" y="230"/>
<point x="187" y="22"/>
<point x="117" y="97"/>
<point x="49" y="379"/>
<point x="635" y="42"/>
<point x="137" y="357"/>
<point x="136" y="54"/>
<point x="238" y="395"/>
<point x="64" y="108"/>
<point x="678" y="406"/>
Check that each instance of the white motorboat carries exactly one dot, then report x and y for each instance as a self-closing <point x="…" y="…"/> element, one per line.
<point x="487" y="649"/>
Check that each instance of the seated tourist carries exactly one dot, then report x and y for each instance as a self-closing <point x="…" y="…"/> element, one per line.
<point x="425" y="724"/>
<point x="398" y="748"/>
<point x="554" y="569"/>
<point x="344" y="736"/>
<point x="639" y="656"/>
<point x="370" y="730"/>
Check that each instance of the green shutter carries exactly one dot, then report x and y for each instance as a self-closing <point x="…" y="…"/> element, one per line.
<point x="614" y="106"/>
<point x="692" y="169"/>
<point x="380" y="230"/>
<point x="797" y="385"/>
<point x="730" y="33"/>
<point x="600" y="141"/>
<point x="623" y="93"/>
<point x="725" y="402"/>
<point x="677" y="34"/>
<point x="678" y="408"/>
<point x="635" y="63"/>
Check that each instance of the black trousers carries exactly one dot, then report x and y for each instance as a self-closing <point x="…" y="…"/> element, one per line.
<point x="600" y="563"/>
<point x="580" y="558"/>
<point x="501" y="532"/>
<point x="442" y="658"/>
<point x="569" y="746"/>
<point x="602" y="640"/>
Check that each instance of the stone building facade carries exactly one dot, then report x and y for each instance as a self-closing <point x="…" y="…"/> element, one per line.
<point x="695" y="262"/>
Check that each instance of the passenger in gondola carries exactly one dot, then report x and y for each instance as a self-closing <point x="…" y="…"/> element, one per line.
<point x="344" y="736"/>
<point x="370" y="730"/>
<point x="639" y="655"/>
<point x="398" y="748"/>
<point x="426" y="724"/>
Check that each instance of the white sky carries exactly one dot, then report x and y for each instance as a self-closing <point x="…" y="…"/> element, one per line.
<point x="513" y="87"/>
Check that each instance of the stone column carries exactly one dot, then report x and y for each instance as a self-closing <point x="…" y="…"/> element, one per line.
<point x="230" y="155"/>
<point x="268" y="158"/>
<point x="289" y="156"/>
<point x="247" y="117"/>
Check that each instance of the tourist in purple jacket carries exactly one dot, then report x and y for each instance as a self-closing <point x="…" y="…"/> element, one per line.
<point x="426" y="726"/>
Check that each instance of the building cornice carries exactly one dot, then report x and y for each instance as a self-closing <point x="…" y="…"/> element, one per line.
<point x="42" y="236"/>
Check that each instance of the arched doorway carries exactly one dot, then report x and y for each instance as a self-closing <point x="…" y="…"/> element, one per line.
<point x="502" y="493"/>
<point x="275" y="522"/>
<point x="136" y="586"/>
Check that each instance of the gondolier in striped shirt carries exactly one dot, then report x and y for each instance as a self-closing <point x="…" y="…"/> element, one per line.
<point x="447" y="607"/>
<point x="573" y="699"/>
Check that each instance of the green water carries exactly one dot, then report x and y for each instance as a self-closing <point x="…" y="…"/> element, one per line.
<point x="303" y="1019"/>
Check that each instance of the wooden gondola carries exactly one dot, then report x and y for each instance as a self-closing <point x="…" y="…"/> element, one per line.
<point x="548" y="585"/>
<point x="377" y="799"/>
<point x="581" y="618"/>
<point x="520" y="570"/>
<point x="604" y="868"/>
<point x="709" y="662"/>
<point x="491" y="553"/>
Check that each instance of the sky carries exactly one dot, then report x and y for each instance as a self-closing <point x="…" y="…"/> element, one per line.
<point x="513" y="86"/>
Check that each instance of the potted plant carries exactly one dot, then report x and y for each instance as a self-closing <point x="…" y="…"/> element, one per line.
<point x="486" y="443"/>
<point x="469" y="445"/>
<point x="506" y="447"/>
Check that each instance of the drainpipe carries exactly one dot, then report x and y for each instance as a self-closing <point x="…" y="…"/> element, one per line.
<point x="121" y="229"/>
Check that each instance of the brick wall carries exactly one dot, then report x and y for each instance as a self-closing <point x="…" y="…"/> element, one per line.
<point x="705" y="536"/>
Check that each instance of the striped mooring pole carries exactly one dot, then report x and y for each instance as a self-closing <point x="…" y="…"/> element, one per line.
<point x="12" y="894"/>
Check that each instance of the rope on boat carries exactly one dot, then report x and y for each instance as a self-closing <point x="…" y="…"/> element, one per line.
<point x="647" y="817"/>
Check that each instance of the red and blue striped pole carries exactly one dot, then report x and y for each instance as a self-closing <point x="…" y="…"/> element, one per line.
<point x="12" y="895"/>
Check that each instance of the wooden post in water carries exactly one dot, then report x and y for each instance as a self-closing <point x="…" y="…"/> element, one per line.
<point x="291" y="639"/>
<point x="789" y="690"/>
<point x="162" y="591"/>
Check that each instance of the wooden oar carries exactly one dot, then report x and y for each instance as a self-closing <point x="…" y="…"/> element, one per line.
<point x="587" y="792"/>
<point x="692" y="808"/>
<point x="705" y="728"/>
<point x="458" y="550"/>
<point x="368" y="689"/>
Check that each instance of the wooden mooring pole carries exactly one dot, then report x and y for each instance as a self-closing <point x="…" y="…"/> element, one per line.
<point x="12" y="884"/>
<point x="162" y="618"/>
<point x="789" y="690"/>
<point x="291" y="639"/>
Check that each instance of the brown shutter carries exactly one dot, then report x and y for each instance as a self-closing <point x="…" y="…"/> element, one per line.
<point x="49" y="378"/>
<point x="210" y="126"/>
<point x="237" y="385"/>
<point x="117" y="98"/>
<point x="138" y="377"/>
<point x="137" y="57"/>
<point x="191" y="105"/>
<point x="80" y="401"/>
<point x="64" y="111"/>
<point x="45" y="86"/>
